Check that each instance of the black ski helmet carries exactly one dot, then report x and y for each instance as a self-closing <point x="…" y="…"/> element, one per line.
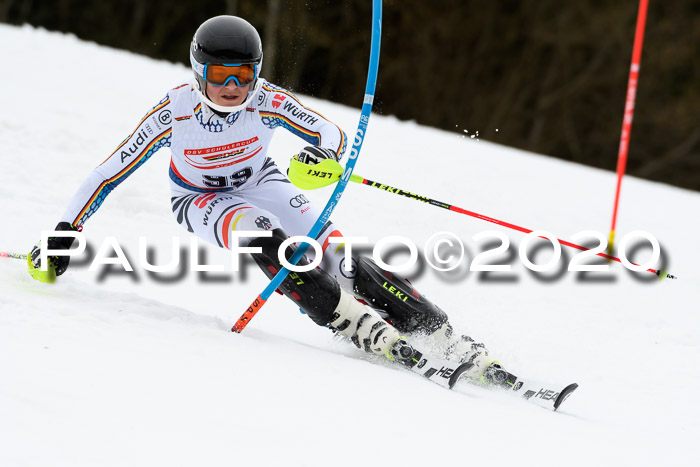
<point x="224" y="40"/>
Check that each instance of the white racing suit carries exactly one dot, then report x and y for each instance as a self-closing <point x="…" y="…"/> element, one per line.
<point x="220" y="175"/>
<point x="222" y="181"/>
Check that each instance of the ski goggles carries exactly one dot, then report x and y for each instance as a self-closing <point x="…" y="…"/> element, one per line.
<point x="220" y="75"/>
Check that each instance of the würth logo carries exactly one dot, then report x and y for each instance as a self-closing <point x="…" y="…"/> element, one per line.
<point x="277" y="100"/>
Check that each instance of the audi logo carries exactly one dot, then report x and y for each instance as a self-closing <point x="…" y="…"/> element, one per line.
<point x="298" y="201"/>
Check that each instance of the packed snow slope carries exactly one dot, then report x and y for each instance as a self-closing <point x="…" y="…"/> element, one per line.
<point x="110" y="368"/>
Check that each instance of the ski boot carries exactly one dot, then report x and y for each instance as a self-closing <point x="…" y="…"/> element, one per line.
<point x="402" y="352"/>
<point x="439" y="371"/>
<point x="495" y="375"/>
<point x="461" y="349"/>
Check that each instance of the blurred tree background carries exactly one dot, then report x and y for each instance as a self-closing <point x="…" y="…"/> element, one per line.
<point x="551" y="76"/>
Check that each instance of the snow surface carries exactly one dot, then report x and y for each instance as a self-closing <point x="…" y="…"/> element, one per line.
<point x="130" y="369"/>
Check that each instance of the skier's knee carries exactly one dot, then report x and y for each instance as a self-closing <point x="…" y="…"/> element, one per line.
<point x="408" y="310"/>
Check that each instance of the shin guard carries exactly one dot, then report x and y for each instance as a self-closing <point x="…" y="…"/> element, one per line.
<point x="408" y="310"/>
<point x="314" y="291"/>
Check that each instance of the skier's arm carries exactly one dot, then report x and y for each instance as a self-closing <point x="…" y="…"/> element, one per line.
<point x="279" y="107"/>
<point x="152" y="133"/>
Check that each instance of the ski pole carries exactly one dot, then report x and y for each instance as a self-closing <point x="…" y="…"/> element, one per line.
<point x="329" y="171"/>
<point x="261" y="299"/>
<point x="47" y="277"/>
<point x="5" y="254"/>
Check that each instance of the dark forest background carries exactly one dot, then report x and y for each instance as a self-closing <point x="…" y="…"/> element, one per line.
<point x="550" y="75"/>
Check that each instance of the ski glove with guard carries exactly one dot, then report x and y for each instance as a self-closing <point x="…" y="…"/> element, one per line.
<point x="57" y="264"/>
<point x="313" y="155"/>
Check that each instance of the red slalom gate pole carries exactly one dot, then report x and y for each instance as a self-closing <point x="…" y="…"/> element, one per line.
<point x="629" y="112"/>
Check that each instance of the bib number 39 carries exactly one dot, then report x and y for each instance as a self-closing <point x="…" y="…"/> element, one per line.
<point x="233" y="180"/>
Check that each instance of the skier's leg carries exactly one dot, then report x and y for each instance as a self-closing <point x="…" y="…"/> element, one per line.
<point x="314" y="291"/>
<point x="408" y="310"/>
<point x="273" y="192"/>
<point x="412" y="313"/>
<point x="214" y="216"/>
<point x="324" y="301"/>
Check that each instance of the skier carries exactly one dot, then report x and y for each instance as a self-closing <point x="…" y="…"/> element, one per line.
<point x="219" y="129"/>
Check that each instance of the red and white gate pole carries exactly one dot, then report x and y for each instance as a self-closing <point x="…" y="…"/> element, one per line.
<point x="629" y="112"/>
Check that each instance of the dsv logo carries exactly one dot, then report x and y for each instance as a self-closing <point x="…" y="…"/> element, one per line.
<point x="298" y="201"/>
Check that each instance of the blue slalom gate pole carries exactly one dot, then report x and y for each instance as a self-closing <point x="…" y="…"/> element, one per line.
<point x="260" y="300"/>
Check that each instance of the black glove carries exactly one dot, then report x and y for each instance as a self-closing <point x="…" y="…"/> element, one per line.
<point x="59" y="263"/>
<point x="312" y="155"/>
